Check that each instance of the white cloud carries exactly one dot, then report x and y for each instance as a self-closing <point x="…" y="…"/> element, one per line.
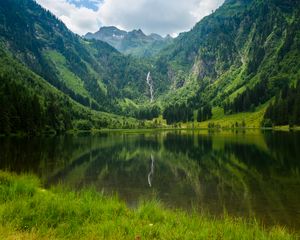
<point x="78" y="19"/>
<point x="167" y="16"/>
<point x="205" y="7"/>
<point x="159" y="16"/>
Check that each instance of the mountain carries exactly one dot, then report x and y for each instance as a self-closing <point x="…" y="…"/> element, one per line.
<point x="236" y="59"/>
<point x="240" y="63"/>
<point x="135" y="43"/>
<point x="84" y="74"/>
<point x="111" y="35"/>
<point x="30" y="104"/>
<point x="91" y="72"/>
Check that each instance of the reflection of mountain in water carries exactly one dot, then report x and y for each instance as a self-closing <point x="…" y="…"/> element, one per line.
<point x="246" y="174"/>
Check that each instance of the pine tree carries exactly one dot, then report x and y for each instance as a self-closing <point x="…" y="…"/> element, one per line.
<point x="199" y="115"/>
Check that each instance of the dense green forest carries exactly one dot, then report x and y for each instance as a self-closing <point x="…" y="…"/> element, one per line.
<point x="22" y="106"/>
<point x="240" y="58"/>
<point x="31" y="105"/>
<point x="285" y="110"/>
<point x="91" y="72"/>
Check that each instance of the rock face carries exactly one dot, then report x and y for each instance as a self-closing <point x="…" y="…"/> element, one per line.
<point x="245" y="44"/>
<point x="135" y="42"/>
<point x="111" y="35"/>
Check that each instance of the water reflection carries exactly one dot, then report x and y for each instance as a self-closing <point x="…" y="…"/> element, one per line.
<point x="150" y="175"/>
<point x="244" y="174"/>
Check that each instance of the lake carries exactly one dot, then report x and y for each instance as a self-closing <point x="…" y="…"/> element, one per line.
<point x="247" y="174"/>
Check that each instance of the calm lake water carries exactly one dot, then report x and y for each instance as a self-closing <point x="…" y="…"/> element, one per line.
<point x="243" y="174"/>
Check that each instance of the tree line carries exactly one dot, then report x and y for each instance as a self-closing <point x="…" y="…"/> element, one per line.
<point x="178" y="113"/>
<point x="285" y="110"/>
<point x="23" y="111"/>
<point x="185" y="113"/>
<point x="147" y="112"/>
<point x="248" y="100"/>
<point x="204" y="113"/>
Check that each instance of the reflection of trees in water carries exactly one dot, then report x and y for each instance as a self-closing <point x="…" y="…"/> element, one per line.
<point x="51" y="155"/>
<point x="192" y="145"/>
<point x="122" y="164"/>
<point x="243" y="175"/>
<point x="38" y="154"/>
<point x="285" y="148"/>
<point x="218" y="173"/>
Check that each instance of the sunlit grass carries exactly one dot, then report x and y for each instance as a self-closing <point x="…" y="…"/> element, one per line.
<point x="70" y="79"/>
<point x="251" y="119"/>
<point x="30" y="212"/>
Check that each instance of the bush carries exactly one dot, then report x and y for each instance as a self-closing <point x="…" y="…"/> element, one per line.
<point x="267" y="123"/>
<point x="84" y="125"/>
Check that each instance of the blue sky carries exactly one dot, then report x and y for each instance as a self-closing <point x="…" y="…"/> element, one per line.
<point x="91" y="4"/>
<point x="152" y="16"/>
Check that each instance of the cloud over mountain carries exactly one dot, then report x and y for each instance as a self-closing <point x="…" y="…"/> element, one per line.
<point x="163" y="17"/>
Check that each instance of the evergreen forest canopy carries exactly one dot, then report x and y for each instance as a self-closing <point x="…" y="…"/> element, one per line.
<point x="243" y="58"/>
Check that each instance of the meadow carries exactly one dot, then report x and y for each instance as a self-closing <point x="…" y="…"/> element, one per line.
<point x="28" y="211"/>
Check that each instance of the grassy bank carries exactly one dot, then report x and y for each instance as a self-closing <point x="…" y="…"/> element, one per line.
<point x="29" y="212"/>
<point x="251" y="119"/>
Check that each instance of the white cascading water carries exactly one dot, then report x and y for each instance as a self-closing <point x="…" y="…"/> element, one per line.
<point x="150" y="84"/>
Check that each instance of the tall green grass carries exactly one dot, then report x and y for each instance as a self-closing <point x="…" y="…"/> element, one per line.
<point x="30" y="212"/>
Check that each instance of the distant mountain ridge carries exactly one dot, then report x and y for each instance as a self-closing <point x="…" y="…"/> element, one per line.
<point x="135" y="42"/>
<point x="235" y="60"/>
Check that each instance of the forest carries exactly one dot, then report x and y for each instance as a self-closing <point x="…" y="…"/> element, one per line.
<point x="243" y="58"/>
<point x="285" y="110"/>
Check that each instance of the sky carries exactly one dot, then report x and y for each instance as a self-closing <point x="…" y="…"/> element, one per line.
<point x="152" y="16"/>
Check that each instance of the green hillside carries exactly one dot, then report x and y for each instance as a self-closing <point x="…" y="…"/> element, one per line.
<point x="239" y="59"/>
<point x="91" y="72"/>
<point x="29" y="104"/>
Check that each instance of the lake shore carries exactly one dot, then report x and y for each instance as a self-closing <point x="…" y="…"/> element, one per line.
<point x="149" y="130"/>
<point x="28" y="211"/>
<point x="209" y="130"/>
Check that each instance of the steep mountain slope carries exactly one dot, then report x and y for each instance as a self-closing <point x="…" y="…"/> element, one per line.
<point x="52" y="79"/>
<point x="237" y="58"/>
<point x="29" y="104"/>
<point x="91" y="72"/>
<point x="135" y="43"/>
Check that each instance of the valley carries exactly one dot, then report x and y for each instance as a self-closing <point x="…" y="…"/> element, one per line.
<point x="233" y="63"/>
<point x="113" y="131"/>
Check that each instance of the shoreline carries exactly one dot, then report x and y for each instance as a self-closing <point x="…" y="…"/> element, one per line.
<point x="29" y="212"/>
<point x="143" y="130"/>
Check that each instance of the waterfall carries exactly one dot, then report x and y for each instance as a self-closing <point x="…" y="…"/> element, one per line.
<point x="150" y="84"/>
<point x="151" y="171"/>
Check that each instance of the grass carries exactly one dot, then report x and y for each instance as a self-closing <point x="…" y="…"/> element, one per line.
<point x="30" y="212"/>
<point x="70" y="79"/>
<point x="251" y="119"/>
<point x="286" y="128"/>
